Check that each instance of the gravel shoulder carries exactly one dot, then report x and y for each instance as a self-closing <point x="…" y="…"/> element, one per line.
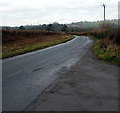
<point x="89" y="85"/>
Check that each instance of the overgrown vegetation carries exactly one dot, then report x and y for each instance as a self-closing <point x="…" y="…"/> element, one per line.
<point x="107" y="45"/>
<point x="16" y="42"/>
<point x="106" y="50"/>
<point x="106" y="42"/>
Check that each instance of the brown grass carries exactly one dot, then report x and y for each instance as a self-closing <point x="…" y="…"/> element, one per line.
<point x="13" y="35"/>
<point x="106" y="42"/>
<point x="19" y="39"/>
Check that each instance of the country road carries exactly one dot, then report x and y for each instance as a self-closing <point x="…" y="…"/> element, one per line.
<point x="89" y="85"/>
<point x="26" y="76"/>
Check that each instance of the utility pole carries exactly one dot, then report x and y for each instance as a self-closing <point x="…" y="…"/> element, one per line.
<point x="104" y="10"/>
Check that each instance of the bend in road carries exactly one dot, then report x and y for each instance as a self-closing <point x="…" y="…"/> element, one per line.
<point x="26" y="76"/>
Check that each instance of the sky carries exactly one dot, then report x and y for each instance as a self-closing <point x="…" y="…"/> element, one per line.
<point x="27" y="12"/>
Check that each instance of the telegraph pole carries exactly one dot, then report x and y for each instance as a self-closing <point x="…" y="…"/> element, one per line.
<point x="104" y="10"/>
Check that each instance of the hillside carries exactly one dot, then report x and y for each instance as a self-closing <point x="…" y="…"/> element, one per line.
<point x="94" y="24"/>
<point x="63" y="27"/>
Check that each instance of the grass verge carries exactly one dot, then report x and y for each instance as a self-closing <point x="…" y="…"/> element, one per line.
<point x="34" y="47"/>
<point x="106" y="50"/>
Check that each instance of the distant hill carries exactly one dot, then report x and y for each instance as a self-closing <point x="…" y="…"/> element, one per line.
<point x="94" y="24"/>
<point x="74" y="26"/>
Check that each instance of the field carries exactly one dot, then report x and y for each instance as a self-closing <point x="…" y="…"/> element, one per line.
<point x="16" y="42"/>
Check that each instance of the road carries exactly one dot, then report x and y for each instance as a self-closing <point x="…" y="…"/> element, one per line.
<point x="26" y="76"/>
<point x="89" y="85"/>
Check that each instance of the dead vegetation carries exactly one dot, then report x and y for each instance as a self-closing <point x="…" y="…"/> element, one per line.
<point x="15" y="41"/>
<point x="106" y="42"/>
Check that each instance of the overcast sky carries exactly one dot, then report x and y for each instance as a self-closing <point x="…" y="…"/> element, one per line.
<point x="23" y="12"/>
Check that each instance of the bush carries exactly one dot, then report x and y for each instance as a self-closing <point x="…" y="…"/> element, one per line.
<point x="11" y="35"/>
<point x="106" y="30"/>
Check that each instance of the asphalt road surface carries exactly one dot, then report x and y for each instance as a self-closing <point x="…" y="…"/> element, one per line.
<point x="25" y="77"/>
<point x="89" y="85"/>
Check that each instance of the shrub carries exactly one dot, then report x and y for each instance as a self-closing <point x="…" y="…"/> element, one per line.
<point x="11" y="35"/>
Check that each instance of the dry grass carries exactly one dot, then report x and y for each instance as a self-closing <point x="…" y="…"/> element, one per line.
<point x="21" y="41"/>
<point x="106" y="50"/>
<point x="107" y="45"/>
<point x="106" y="42"/>
<point x="78" y="33"/>
<point x="13" y="35"/>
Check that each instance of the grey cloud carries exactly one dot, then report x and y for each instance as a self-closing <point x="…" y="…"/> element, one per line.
<point x="57" y="10"/>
